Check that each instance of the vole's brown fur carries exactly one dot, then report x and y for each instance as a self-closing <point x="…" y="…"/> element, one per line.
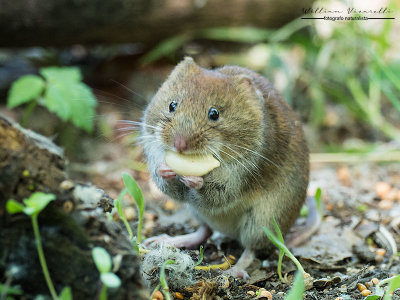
<point x="263" y="153"/>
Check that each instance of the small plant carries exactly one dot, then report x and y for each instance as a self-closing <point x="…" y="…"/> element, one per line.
<point x="297" y="290"/>
<point x="118" y="205"/>
<point x="6" y="291"/>
<point x="163" y="279"/>
<point x="279" y="243"/>
<point x="201" y="256"/>
<point x="60" y="90"/>
<point x="33" y="206"/>
<point x="103" y="263"/>
<point x="136" y="193"/>
<point x="394" y="283"/>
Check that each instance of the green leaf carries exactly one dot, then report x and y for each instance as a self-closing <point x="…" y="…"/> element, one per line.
<point x="69" y="98"/>
<point x="110" y="280"/>
<point x="296" y="292"/>
<point x="56" y="99"/>
<point x="134" y="190"/>
<point x="37" y="202"/>
<point x="393" y="285"/>
<point x="82" y="105"/>
<point x="372" y="297"/>
<point x="71" y="101"/>
<point x="10" y="290"/>
<point x="66" y="294"/>
<point x="14" y="207"/>
<point x="25" y="89"/>
<point x="102" y="259"/>
<point x="61" y="74"/>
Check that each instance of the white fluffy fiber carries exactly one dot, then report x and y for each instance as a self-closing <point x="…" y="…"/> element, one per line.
<point x="179" y="274"/>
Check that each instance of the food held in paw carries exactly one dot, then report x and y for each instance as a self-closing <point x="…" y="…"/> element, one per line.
<point x="191" y="165"/>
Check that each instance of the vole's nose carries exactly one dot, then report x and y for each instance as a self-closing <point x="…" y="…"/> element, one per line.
<point x="180" y="143"/>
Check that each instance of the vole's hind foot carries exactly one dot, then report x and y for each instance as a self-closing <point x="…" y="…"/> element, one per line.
<point x="245" y="260"/>
<point x="165" y="172"/>
<point x="190" y="241"/>
<point x="193" y="182"/>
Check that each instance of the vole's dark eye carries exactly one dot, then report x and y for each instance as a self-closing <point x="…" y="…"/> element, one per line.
<point x="213" y="114"/>
<point x="172" y="106"/>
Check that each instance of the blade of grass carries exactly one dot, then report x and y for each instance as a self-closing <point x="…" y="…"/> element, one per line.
<point x="296" y="292"/>
<point x="136" y="193"/>
<point x="118" y="205"/>
<point x="201" y="256"/>
<point x="281" y="253"/>
<point x="275" y="240"/>
<point x="163" y="279"/>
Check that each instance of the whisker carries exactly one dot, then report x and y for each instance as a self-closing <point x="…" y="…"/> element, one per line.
<point x="256" y="153"/>
<point x="255" y="166"/>
<point x="128" y="89"/>
<point x="239" y="162"/>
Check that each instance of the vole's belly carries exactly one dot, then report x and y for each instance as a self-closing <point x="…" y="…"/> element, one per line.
<point x="226" y="223"/>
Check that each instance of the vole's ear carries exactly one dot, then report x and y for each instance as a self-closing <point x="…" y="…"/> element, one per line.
<point x="244" y="83"/>
<point x="187" y="65"/>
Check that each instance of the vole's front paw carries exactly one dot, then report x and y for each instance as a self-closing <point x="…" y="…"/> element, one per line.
<point x="237" y="273"/>
<point x="193" y="182"/>
<point x="165" y="172"/>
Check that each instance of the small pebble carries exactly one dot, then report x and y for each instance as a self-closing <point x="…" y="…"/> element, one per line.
<point x="68" y="206"/>
<point x="338" y="298"/>
<point x="148" y="216"/>
<point x="379" y="258"/>
<point x="368" y="284"/>
<point x="158" y="296"/>
<point x="265" y="294"/>
<point x="66" y="185"/>
<point x="251" y="293"/>
<point x="343" y="173"/>
<point x="129" y="213"/>
<point x="366" y="292"/>
<point x="382" y="188"/>
<point x="380" y="251"/>
<point x="375" y="281"/>
<point x="178" y="295"/>
<point x="361" y="287"/>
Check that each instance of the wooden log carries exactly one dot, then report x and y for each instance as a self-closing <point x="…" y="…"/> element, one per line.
<point x="69" y="227"/>
<point x="63" y="22"/>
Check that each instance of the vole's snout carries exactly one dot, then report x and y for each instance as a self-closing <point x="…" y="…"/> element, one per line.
<point x="180" y="143"/>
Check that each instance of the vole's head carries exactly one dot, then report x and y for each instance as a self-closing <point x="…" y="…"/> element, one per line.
<point x="203" y="111"/>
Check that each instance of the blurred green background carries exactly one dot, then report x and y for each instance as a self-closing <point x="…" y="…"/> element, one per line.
<point x="342" y="78"/>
